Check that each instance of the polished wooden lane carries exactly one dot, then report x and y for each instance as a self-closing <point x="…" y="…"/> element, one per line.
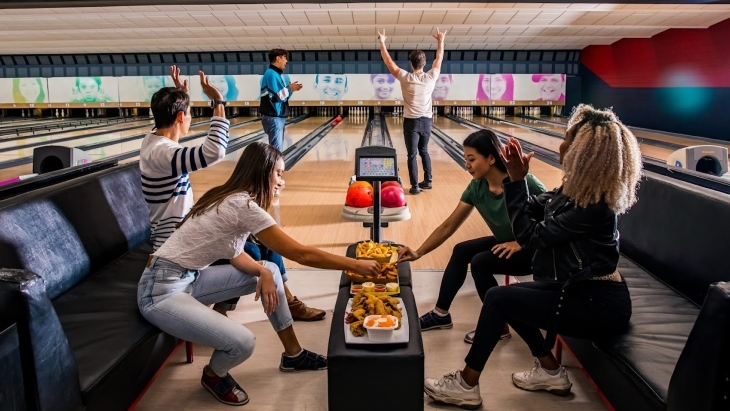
<point x="116" y="149"/>
<point x="205" y="179"/>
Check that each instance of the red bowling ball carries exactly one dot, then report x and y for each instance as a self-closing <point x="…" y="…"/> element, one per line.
<point x="359" y="196"/>
<point x="389" y="184"/>
<point x="393" y="196"/>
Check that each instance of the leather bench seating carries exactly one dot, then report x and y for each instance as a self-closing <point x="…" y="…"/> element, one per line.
<point x="87" y="239"/>
<point x="674" y="356"/>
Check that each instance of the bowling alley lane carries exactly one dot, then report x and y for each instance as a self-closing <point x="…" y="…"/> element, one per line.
<point x="656" y="135"/>
<point x="115" y="149"/>
<point x="203" y="180"/>
<point x="109" y="135"/>
<point x="553" y="143"/>
<point x="12" y="140"/>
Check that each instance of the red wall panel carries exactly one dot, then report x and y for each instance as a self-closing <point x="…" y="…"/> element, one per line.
<point x="673" y="58"/>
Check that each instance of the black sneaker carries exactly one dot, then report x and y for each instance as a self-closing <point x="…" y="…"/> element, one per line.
<point x="415" y="190"/>
<point x="425" y="185"/>
<point x="432" y="321"/>
<point x="306" y="360"/>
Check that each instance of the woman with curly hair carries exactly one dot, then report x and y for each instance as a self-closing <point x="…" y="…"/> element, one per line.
<point x="577" y="290"/>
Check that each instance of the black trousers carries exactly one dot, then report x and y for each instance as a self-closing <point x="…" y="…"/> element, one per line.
<point x="588" y="309"/>
<point x="417" y="132"/>
<point x="484" y="264"/>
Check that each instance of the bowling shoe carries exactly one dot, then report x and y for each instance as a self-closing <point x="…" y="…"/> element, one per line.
<point x="300" y="311"/>
<point x="425" y="185"/>
<point x="415" y="190"/>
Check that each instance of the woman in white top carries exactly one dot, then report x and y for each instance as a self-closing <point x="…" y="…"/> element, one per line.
<point x="178" y="283"/>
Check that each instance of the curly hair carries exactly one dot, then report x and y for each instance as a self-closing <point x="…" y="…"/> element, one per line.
<point x="604" y="161"/>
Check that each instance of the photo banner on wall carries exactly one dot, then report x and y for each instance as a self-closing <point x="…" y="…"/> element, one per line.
<point x="84" y="90"/>
<point x="139" y="89"/>
<point x="539" y="87"/>
<point x="233" y="88"/>
<point x="26" y="92"/>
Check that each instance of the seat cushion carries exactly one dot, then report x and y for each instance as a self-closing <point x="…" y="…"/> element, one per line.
<point x="660" y="325"/>
<point x="106" y="332"/>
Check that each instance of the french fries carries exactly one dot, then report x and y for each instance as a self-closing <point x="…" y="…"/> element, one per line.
<point x="388" y="272"/>
<point x="372" y="250"/>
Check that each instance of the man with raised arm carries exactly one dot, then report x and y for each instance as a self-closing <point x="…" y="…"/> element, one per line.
<point x="417" y="87"/>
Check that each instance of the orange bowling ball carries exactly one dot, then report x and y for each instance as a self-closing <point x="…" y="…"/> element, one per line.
<point x="359" y="195"/>
<point x="362" y="184"/>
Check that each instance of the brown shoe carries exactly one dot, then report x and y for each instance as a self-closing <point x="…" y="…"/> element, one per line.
<point x="300" y="311"/>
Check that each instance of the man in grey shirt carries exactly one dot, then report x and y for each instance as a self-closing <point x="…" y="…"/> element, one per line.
<point x="417" y="87"/>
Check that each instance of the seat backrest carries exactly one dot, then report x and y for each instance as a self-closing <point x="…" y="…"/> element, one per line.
<point x="65" y="232"/>
<point x="678" y="232"/>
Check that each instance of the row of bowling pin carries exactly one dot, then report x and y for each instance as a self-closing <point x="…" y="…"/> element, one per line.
<point x="532" y="111"/>
<point x="398" y="111"/>
<point x="93" y="113"/>
<point x="22" y="113"/>
<point x="328" y="111"/>
<point x="359" y="111"/>
<point x="463" y="111"/>
<point x="496" y="111"/>
<point x="298" y="111"/>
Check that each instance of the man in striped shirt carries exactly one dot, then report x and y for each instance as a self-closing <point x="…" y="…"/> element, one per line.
<point x="165" y="166"/>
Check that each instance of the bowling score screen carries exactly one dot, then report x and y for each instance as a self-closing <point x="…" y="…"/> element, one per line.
<point x="377" y="167"/>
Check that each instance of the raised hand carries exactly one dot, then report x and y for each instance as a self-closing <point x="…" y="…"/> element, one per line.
<point x="381" y="37"/>
<point x="517" y="163"/>
<point x="295" y="86"/>
<point x="440" y="36"/>
<point x="175" y="74"/>
<point x="209" y="90"/>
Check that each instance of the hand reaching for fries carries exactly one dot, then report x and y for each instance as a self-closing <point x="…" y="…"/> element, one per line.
<point x="406" y="254"/>
<point x="367" y="268"/>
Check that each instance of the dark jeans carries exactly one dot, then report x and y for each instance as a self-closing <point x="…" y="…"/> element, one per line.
<point x="258" y="252"/>
<point x="484" y="264"/>
<point x="588" y="309"/>
<point x="417" y="132"/>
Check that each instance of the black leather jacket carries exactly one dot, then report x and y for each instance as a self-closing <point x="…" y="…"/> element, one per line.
<point x="572" y="243"/>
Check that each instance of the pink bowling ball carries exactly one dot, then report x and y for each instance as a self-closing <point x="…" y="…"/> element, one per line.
<point x="393" y="197"/>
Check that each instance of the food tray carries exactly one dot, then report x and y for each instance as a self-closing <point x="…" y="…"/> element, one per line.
<point x="400" y="336"/>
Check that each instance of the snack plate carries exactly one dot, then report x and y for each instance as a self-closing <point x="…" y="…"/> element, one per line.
<point x="399" y="336"/>
<point x="392" y="259"/>
<point x="375" y="293"/>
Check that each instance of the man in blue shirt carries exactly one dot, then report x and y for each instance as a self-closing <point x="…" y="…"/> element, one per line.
<point x="276" y="89"/>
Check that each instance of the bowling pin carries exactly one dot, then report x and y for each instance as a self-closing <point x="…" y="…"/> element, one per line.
<point x="56" y="113"/>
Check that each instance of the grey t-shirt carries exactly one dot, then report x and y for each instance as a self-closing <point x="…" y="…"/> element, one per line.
<point x="216" y="235"/>
<point x="417" y="89"/>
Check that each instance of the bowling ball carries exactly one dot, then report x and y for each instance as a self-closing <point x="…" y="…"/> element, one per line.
<point x="389" y="184"/>
<point x="393" y="197"/>
<point x="359" y="196"/>
<point x="363" y="184"/>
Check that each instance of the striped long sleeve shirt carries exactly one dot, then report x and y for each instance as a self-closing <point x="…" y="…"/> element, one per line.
<point x="165" y="165"/>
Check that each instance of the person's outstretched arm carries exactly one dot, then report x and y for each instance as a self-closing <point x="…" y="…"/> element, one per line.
<point x="440" y="38"/>
<point x="439" y="235"/>
<point x="389" y="63"/>
<point x="277" y="240"/>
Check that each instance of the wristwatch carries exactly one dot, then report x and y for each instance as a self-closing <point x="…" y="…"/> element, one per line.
<point x="216" y="102"/>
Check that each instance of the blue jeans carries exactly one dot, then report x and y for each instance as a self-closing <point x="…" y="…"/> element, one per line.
<point x="274" y="128"/>
<point x="258" y="252"/>
<point x="175" y="300"/>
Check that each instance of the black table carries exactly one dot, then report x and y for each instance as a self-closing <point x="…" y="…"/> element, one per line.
<point x="404" y="270"/>
<point x="375" y="377"/>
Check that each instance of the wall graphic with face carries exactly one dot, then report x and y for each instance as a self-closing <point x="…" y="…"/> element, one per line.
<point x="443" y="86"/>
<point x="495" y="87"/>
<point x="330" y="86"/>
<point x="29" y="90"/>
<point x="550" y="86"/>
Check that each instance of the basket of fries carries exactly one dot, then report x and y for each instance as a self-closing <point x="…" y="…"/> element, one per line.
<point x="369" y="250"/>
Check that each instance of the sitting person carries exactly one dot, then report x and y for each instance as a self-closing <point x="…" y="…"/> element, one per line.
<point x="495" y="254"/>
<point x="577" y="290"/>
<point x="179" y="282"/>
<point x="166" y="165"/>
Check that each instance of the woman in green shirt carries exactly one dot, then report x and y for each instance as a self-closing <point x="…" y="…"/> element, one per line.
<point x="495" y="254"/>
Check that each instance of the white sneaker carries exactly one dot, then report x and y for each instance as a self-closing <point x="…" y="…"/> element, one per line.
<point x="538" y="379"/>
<point x="448" y="389"/>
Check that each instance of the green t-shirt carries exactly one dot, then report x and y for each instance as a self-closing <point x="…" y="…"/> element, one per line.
<point x="492" y="207"/>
